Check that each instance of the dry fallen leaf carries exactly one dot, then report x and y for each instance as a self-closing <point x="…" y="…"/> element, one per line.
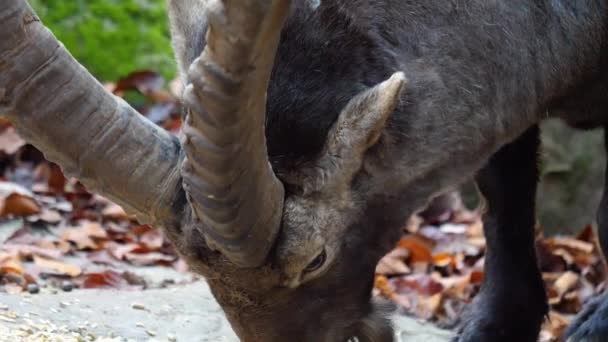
<point x="153" y="239"/>
<point x="107" y="279"/>
<point x="10" y="141"/>
<point x="421" y="284"/>
<point x="56" y="179"/>
<point x="570" y="244"/>
<point x="60" y="245"/>
<point x="119" y="251"/>
<point x="18" y="205"/>
<point x="150" y="258"/>
<point x="115" y="212"/>
<point x="144" y="81"/>
<point x="566" y="282"/>
<point x="426" y="307"/>
<point x="102" y="256"/>
<point x="587" y="234"/>
<point x="443" y="260"/>
<point x="85" y="235"/>
<point x="382" y="284"/>
<point x="58" y="266"/>
<point x="476" y="277"/>
<point x="10" y="263"/>
<point x="49" y="216"/>
<point x="28" y="251"/>
<point x="394" y="263"/>
<point x="51" y="179"/>
<point x="419" y="248"/>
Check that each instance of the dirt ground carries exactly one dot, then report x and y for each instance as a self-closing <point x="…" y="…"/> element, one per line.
<point x="184" y="311"/>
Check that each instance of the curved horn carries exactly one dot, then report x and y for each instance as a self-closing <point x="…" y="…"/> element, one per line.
<point x="227" y="175"/>
<point x="94" y="136"/>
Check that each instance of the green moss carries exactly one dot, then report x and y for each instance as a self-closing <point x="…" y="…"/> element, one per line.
<point x="112" y="37"/>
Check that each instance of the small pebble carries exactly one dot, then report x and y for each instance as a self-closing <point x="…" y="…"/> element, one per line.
<point x="151" y="333"/>
<point x="33" y="288"/>
<point x="138" y="306"/>
<point x="171" y="338"/>
<point x="67" y="285"/>
<point x="64" y="304"/>
<point x="140" y="325"/>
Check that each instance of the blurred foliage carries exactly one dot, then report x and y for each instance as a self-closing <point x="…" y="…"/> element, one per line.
<point x="112" y="37"/>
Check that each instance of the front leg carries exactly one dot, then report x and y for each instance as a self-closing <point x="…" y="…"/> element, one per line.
<point x="512" y="303"/>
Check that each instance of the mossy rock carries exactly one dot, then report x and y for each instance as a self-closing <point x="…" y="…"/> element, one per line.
<point x="112" y="37"/>
<point x="572" y="177"/>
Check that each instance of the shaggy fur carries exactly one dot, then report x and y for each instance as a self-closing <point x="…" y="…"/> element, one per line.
<point x="479" y="74"/>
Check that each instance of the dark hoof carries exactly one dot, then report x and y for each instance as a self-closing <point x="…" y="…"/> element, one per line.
<point x="487" y="322"/>
<point x="591" y="325"/>
<point x="485" y="330"/>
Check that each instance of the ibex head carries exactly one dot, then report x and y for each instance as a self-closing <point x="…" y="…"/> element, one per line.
<point x="293" y="240"/>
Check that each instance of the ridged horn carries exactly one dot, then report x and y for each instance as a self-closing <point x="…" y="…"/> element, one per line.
<point x="227" y="176"/>
<point x="60" y="108"/>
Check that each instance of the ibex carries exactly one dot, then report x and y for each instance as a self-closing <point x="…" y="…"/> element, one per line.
<point x="314" y="130"/>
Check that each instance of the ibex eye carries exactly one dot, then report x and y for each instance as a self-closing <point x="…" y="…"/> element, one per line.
<point x="317" y="262"/>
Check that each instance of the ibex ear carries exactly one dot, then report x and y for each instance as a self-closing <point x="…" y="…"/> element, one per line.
<point x="188" y="24"/>
<point x="362" y="121"/>
<point x="358" y="128"/>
